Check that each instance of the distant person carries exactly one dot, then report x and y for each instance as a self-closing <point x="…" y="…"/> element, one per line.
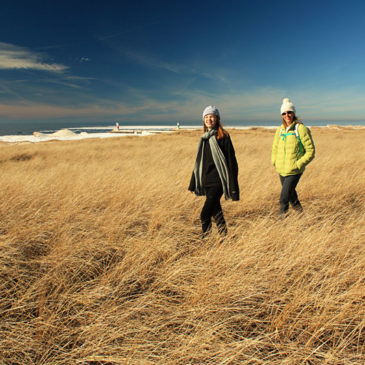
<point x="178" y="125"/>
<point x="292" y="150"/>
<point x="215" y="172"/>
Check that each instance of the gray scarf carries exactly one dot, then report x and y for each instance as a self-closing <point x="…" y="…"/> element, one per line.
<point x="219" y="161"/>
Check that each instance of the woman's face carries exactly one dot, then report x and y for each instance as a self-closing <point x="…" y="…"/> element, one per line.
<point x="210" y="120"/>
<point x="288" y="118"/>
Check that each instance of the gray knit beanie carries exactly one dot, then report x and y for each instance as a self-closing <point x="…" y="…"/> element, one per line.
<point x="210" y="109"/>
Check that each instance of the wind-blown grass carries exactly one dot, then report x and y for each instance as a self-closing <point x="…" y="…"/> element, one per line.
<point x="102" y="263"/>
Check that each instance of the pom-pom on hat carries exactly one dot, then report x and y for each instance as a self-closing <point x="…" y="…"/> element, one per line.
<point x="210" y="109"/>
<point x="287" y="106"/>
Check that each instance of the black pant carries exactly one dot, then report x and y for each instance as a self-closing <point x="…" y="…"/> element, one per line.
<point x="212" y="208"/>
<point x="288" y="193"/>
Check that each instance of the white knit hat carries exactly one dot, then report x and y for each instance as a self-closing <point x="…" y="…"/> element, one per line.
<point x="210" y="109"/>
<point x="287" y="106"/>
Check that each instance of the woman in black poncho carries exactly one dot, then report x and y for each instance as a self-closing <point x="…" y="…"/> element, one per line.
<point x="215" y="172"/>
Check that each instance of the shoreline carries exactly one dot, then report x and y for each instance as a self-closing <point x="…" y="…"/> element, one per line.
<point x="143" y="130"/>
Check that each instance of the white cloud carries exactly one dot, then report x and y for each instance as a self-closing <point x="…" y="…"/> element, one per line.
<point x="14" y="57"/>
<point x="257" y="105"/>
<point x="260" y="104"/>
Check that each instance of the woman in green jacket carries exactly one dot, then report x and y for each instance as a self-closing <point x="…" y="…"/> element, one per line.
<point x="292" y="150"/>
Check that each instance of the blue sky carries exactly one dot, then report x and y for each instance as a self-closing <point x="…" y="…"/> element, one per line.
<point x="102" y="61"/>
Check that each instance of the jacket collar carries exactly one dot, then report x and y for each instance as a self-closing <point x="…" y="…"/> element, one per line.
<point x="291" y="127"/>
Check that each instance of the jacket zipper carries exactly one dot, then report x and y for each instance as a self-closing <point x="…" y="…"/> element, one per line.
<point x="284" y="153"/>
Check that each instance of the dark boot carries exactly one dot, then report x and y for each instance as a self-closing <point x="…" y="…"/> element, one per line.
<point x="283" y="210"/>
<point x="206" y="228"/>
<point x="221" y="223"/>
<point x="297" y="206"/>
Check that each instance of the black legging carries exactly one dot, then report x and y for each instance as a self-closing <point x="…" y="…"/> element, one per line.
<point x="212" y="208"/>
<point x="289" y="194"/>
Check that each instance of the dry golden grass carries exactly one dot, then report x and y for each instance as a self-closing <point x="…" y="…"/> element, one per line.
<point x="101" y="261"/>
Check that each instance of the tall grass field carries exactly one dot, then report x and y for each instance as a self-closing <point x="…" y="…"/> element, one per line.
<point x="101" y="259"/>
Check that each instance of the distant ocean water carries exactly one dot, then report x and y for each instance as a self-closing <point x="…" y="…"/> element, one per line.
<point x="27" y="128"/>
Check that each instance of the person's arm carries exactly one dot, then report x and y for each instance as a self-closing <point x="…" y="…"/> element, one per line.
<point x="274" y="150"/>
<point x="308" y="144"/>
<point x="233" y="168"/>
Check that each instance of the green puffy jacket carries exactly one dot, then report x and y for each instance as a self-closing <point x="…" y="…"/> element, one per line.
<point x="289" y="155"/>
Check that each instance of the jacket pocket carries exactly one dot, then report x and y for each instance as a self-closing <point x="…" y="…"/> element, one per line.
<point x="292" y="167"/>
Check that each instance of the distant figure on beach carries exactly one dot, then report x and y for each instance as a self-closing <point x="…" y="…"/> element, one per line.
<point x="292" y="150"/>
<point x="178" y="125"/>
<point x="117" y="126"/>
<point x="215" y="172"/>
